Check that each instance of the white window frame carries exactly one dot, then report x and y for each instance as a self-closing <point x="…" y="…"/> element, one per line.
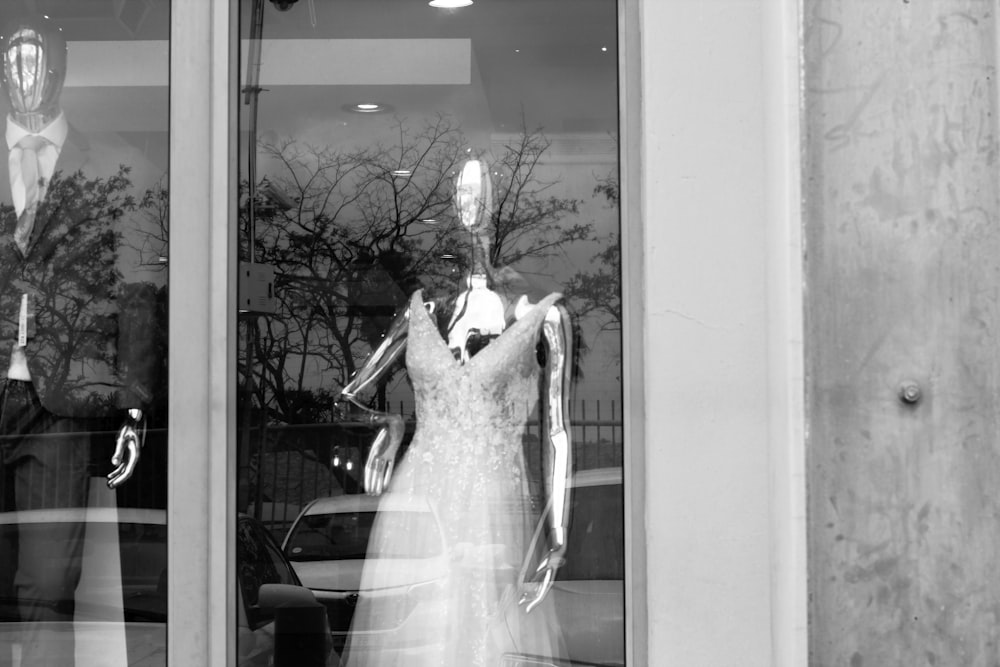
<point x="723" y="516"/>
<point x="201" y="472"/>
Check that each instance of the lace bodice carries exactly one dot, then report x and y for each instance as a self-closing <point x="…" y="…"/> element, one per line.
<point x="479" y="407"/>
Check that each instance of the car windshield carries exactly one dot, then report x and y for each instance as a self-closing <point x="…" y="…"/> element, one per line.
<point x="344" y="536"/>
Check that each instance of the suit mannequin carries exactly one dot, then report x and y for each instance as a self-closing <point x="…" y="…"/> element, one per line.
<point x="81" y="349"/>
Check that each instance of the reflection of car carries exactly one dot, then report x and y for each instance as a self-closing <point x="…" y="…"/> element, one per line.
<point x="125" y="609"/>
<point x="263" y="572"/>
<point x="328" y="547"/>
<point x="276" y="517"/>
<point x="587" y="600"/>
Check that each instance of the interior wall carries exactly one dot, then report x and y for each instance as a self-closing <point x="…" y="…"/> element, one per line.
<point x="704" y="184"/>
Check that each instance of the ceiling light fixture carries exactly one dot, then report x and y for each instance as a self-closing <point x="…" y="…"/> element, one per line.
<point x="402" y="172"/>
<point x="449" y="4"/>
<point x="367" y="107"/>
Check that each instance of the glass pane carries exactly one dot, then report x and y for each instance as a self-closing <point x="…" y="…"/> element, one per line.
<point x="83" y="280"/>
<point x="429" y="371"/>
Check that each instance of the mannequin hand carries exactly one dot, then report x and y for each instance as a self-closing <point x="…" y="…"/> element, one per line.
<point x="534" y="590"/>
<point x="378" y="472"/>
<point x="128" y="445"/>
<point x="382" y="457"/>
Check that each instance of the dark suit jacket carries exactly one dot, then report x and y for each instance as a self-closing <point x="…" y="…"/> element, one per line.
<point x="93" y="347"/>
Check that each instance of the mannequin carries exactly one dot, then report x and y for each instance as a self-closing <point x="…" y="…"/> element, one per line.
<point x="34" y="70"/>
<point x="82" y="353"/>
<point x="478" y="320"/>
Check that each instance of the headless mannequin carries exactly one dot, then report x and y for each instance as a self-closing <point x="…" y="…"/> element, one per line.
<point x="477" y="318"/>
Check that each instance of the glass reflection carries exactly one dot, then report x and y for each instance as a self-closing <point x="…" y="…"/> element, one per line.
<point x="430" y="393"/>
<point x="83" y="394"/>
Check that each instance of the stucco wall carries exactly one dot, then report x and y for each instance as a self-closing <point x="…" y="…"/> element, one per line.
<point x="706" y="242"/>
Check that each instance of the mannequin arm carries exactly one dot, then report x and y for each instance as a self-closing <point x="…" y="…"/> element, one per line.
<point x="128" y="446"/>
<point x="139" y="347"/>
<point x="381" y="457"/>
<point x="558" y="337"/>
<point x="378" y="362"/>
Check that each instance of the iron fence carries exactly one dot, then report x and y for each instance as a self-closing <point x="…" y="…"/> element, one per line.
<point x="287" y="466"/>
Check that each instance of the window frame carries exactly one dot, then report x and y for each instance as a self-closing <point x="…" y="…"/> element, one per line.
<point x="201" y="520"/>
<point x="630" y="124"/>
<point x="204" y="66"/>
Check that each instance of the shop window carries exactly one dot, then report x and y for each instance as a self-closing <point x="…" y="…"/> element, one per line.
<point x="429" y="372"/>
<point x="83" y="294"/>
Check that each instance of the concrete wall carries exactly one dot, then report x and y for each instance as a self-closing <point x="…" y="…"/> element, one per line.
<point x="904" y="254"/>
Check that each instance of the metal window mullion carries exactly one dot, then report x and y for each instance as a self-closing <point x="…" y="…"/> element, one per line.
<point x="201" y="592"/>
<point x="632" y="238"/>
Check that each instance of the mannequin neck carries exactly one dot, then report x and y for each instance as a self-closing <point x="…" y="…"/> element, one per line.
<point x="35" y="121"/>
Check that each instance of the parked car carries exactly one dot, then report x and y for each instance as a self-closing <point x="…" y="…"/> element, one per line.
<point x="130" y="603"/>
<point x="328" y="548"/>
<point x="587" y="600"/>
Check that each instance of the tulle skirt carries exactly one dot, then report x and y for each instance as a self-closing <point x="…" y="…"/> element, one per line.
<point x="441" y="582"/>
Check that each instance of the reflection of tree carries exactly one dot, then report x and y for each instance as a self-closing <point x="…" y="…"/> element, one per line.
<point x="151" y="243"/>
<point x="348" y="245"/>
<point x="350" y="242"/>
<point x="597" y="291"/>
<point x="80" y="297"/>
<point x="527" y="221"/>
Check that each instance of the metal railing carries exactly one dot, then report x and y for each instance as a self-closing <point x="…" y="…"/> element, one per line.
<point x="298" y="463"/>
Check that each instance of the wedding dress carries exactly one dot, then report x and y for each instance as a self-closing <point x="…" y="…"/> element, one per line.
<point x="465" y="470"/>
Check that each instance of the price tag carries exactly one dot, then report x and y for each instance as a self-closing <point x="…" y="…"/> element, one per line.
<point x="22" y="322"/>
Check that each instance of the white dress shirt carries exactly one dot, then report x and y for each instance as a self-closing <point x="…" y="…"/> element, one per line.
<point x="54" y="135"/>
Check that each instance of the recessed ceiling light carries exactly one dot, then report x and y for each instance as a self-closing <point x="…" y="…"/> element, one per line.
<point x="449" y="4"/>
<point x="604" y="48"/>
<point x="402" y="172"/>
<point x="367" y="107"/>
<point x="428" y="221"/>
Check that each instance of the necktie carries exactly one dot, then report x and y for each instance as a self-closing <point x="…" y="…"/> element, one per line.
<point x="31" y="177"/>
